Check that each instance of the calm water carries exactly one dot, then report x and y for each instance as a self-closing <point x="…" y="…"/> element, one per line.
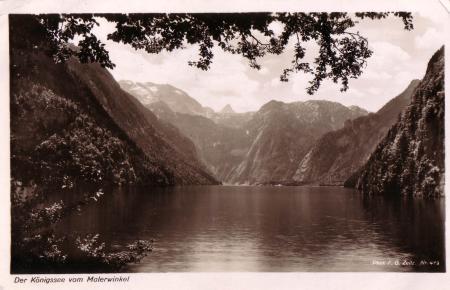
<point x="228" y="228"/>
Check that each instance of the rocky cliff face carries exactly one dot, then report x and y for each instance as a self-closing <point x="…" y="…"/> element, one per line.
<point x="177" y="100"/>
<point x="410" y="159"/>
<point x="72" y="123"/>
<point x="227" y="110"/>
<point x="220" y="147"/>
<point x="282" y="134"/>
<point x="338" y="154"/>
<point x="262" y="147"/>
<point x="151" y="95"/>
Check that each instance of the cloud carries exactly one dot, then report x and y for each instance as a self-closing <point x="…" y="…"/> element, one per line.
<point x="431" y="39"/>
<point x="386" y="54"/>
<point x="225" y="82"/>
<point x="374" y="90"/>
<point x="435" y="12"/>
<point x="375" y="75"/>
<point x="399" y="56"/>
<point x="300" y="82"/>
<point x="263" y="71"/>
<point x="275" y="82"/>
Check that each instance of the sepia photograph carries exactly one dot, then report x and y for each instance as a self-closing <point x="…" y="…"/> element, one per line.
<point x="226" y="142"/>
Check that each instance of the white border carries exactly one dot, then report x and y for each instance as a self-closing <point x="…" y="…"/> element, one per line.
<point x="208" y="280"/>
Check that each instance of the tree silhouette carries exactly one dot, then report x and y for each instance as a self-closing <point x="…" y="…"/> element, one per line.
<point x="342" y="52"/>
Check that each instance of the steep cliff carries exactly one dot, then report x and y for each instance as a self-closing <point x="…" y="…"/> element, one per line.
<point x="410" y="159"/>
<point x="282" y="134"/>
<point x="338" y="154"/>
<point x="177" y="100"/>
<point x="71" y="123"/>
<point x="262" y="147"/>
<point x="220" y="147"/>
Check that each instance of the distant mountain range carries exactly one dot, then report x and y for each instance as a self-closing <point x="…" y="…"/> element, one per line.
<point x="281" y="134"/>
<point x="338" y="154"/>
<point x="72" y="123"/>
<point x="178" y="100"/>
<point x="262" y="147"/>
<point x="312" y="142"/>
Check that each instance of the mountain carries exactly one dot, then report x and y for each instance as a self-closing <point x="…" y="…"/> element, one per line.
<point x="177" y="100"/>
<point x="71" y="123"/>
<point x="227" y="110"/>
<point x="282" y="134"/>
<point x="338" y="154"/>
<point x="260" y="147"/>
<point x="233" y="120"/>
<point x="410" y="159"/>
<point x="220" y="147"/>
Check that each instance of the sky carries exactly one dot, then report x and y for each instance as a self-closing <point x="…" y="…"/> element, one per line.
<point x="399" y="56"/>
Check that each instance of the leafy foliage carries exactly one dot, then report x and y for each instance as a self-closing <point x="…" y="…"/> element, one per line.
<point x="337" y="154"/>
<point x="37" y="247"/>
<point x="57" y="146"/>
<point x="342" y="53"/>
<point x="66" y="146"/>
<point x="410" y="159"/>
<point x="95" y="252"/>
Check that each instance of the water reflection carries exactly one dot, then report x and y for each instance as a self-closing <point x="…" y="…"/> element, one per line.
<point x="226" y="228"/>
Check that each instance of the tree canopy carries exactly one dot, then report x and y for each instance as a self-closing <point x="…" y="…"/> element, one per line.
<point x="342" y="52"/>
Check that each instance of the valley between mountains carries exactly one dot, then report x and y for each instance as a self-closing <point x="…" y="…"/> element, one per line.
<point x="312" y="142"/>
<point x="103" y="172"/>
<point x="85" y="127"/>
<point x="262" y="147"/>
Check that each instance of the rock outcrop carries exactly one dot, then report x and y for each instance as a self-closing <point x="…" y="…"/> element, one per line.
<point x="410" y="159"/>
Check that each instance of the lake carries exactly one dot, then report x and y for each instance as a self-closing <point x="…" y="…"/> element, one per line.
<point x="269" y="229"/>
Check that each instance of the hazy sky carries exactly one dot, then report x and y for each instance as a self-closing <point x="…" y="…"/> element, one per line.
<point x="399" y="56"/>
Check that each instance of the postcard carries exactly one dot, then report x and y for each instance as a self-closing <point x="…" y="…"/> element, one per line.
<point x="224" y="145"/>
